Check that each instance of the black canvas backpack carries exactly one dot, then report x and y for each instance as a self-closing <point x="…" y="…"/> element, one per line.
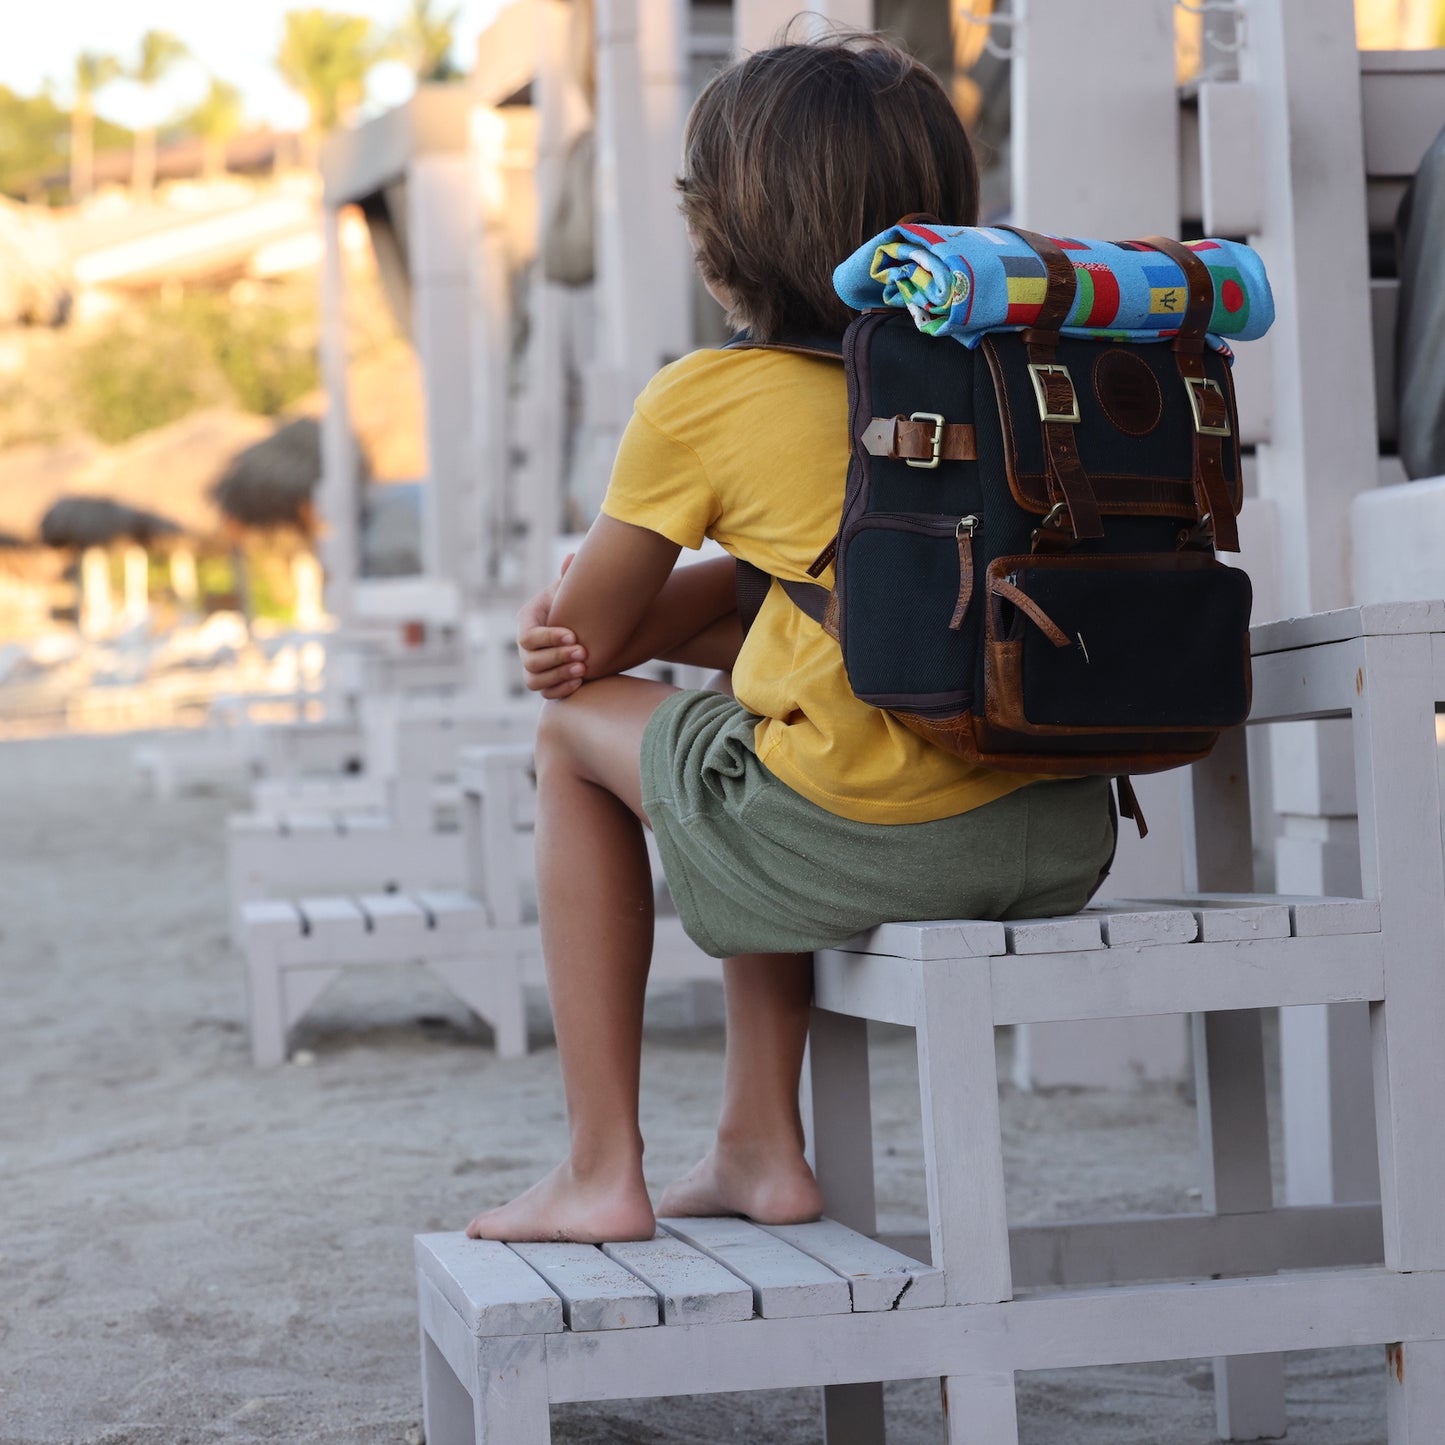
<point x="1024" y="568"/>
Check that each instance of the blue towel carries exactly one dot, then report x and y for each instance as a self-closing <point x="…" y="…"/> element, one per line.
<point x="962" y="281"/>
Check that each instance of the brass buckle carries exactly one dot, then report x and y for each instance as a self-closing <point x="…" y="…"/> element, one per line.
<point x="1196" y="387"/>
<point x="1036" y="371"/>
<point x="931" y="464"/>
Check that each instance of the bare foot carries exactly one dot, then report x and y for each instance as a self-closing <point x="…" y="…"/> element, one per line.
<point x="561" y="1207"/>
<point x="772" y="1186"/>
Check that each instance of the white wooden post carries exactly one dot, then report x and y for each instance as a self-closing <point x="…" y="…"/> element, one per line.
<point x="137" y="584"/>
<point x="184" y="582"/>
<point x="306" y="581"/>
<point x="439" y="200"/>
<point x="97" y="611"/>
<point x="340" y="541"/>
<point x="1300" y="58"/>
<point x="1053" y="192"/>
<point x="486" y="314"/>
<point x="662" y="42"/>
<point x="536" y="499"/>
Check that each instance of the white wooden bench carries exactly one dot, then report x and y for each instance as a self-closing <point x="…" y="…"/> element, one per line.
<point x="508" y="1330"/>
<point x="333" y="836"/>
<point x="484" y="942"/>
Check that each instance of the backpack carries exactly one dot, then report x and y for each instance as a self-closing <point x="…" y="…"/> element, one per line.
<point x="1024" y="568"/>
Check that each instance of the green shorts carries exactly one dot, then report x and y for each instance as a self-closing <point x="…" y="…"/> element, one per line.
<point x="754" y="867"/>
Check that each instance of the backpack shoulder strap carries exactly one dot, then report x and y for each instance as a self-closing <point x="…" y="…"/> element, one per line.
<point x="752" y="589"/>
<point x="753" y="582"/>
<point x="820" y="346"/>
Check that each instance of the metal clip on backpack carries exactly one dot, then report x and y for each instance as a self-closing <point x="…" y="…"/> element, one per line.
<point x="1025" y="569"/>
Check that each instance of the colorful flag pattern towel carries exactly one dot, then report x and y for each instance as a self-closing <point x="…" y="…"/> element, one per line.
<point x="962" y="281"/>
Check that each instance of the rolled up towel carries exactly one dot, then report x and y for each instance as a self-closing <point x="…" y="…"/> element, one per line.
<point x="962" y="281"/>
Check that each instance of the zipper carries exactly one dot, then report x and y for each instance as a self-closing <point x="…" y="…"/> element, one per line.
<point x="962" y="529"/>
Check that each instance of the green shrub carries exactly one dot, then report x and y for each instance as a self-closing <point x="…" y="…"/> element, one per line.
<point x="160" y="361"/>
<point x="131" y="377"/>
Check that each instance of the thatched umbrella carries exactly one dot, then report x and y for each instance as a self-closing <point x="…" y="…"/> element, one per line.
<point x="172" y="470"/>
<point x="81" y="522"/>
<point x="270" y="483"/>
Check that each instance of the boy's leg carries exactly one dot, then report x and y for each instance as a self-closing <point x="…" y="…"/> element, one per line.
<point x="756" y="1166"/>
<point x="594" y="893"/>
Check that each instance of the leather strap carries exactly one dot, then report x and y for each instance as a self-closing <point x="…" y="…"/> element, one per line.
<point x="1002" y="587"/>
<point x="965" y="578"/>
<point x="1207" y="401"/>
<point x="1063" y="285"/>
<point x="1129" y="805"/>
<point x="898" y="438"/>
<point x="1069" y="482"/>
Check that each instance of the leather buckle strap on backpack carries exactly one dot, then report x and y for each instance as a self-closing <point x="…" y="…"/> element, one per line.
<point x="1206" y="398"/>
<point x="1054" y="388"/>
<point x="922" y="440"/>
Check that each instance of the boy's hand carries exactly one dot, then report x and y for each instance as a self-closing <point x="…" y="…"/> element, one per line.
<point x="552" y="661"/>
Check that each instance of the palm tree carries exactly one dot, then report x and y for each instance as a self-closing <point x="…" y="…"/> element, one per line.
<point x="325" y="57"/>
<point x="424" y="40"/>
<point x="216" y="119"/>
<point x="160" y="51"/>
<point x="93" y="72"/>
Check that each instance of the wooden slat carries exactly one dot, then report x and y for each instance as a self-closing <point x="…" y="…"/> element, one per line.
<point x="358" y="821"/>
<point x="1192" y="1320"/>
<point x="1177" y="978"/>
<point x="1054" y="935"/>
<point x="272" y="918"/>
<point x="393" y="914"/>
<point x="596" y="1292"/>
<point x="331" y="919"/>
<point x="944" y="938"/>
<point x="879" y="1278"/>
<point x="494" y="1290"/>
<point x="452" y="911"/>
<point x="1124" y="923"/>
<point x="692" y="1288"/>
<point x="308" y="822"/>
<point x="1226" y="919"/>
<point x="785" y="1282"/>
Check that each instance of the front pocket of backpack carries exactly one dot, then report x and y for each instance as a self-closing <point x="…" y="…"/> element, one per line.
<point x="901" y="579"/>
<point x="1116" y="643"/>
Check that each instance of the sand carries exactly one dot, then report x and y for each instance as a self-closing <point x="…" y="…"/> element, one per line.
<point x="195" y="1252"/>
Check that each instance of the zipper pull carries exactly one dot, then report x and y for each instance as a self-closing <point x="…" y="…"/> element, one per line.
<point x="821" y="562"/>
<point x="967" y="526"/>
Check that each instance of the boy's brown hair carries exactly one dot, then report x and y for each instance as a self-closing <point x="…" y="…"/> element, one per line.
<point x="796" y="155"/>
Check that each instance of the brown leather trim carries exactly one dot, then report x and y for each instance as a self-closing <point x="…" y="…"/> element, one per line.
<point x="1002" y="587"/>
<point x="1063" y="284"/>
<point x="969" y="736"/>
<point x="1197" y="278"/>
<point x="898" y="438"/>
<point x="965" y="578"/>
<point x="1002" y="660"/>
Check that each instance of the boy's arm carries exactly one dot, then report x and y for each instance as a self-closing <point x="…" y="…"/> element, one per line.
<point x="625" y="603"/>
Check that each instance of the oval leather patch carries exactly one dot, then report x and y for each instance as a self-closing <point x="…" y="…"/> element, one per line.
<point x="1128" y="391"/>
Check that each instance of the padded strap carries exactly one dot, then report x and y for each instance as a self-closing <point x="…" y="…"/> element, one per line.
<point x="752" y="585"/>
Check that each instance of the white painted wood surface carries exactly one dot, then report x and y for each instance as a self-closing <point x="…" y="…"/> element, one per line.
<point x="691" y="1287"/>
<point x="878" y="1277"/>
<point x="784" y="1282"/>
<point x="596" y="1292"/>
<point x="491" y="1287"/>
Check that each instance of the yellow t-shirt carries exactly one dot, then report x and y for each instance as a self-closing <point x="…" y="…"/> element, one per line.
<point x="750" y="448"/>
